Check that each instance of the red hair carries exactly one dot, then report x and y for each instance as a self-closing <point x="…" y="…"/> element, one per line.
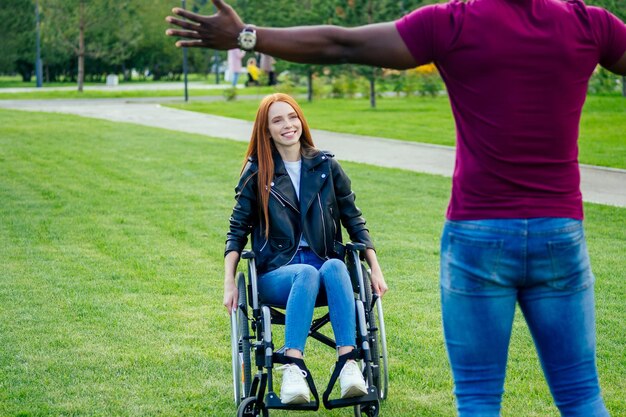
<point x="262" y="147"/>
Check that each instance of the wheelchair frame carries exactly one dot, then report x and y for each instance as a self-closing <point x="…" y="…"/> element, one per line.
<point x="255" y="396"/>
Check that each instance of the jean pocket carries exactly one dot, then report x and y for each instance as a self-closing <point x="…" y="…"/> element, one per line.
<point x="470" y="263"/>
<point x="571" y="269"/>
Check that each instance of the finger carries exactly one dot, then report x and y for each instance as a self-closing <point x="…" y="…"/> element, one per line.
<point x="219" y="4"/>
<point x="186" y="14"/>
<point x="376" y="288"/>
<point x="183" y="33"/>
<point x="182" y="23"/>
<point x="190" y="44"/>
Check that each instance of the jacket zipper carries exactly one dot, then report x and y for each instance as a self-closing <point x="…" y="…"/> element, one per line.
<point x="266" y="240"/>
<point x="282" y="200"/>
<point x="319" y="202"/>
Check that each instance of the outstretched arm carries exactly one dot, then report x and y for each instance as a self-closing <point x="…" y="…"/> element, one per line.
<point x="377" y="44"/>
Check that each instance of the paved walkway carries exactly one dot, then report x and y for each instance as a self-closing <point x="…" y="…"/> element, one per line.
<point x="599" y="185"/>
<point x="178" y="85"/>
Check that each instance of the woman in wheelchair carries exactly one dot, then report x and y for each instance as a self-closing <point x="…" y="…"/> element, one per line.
<point x="291" y="198"/>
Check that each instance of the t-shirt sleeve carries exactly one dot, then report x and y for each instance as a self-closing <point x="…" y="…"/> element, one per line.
<point x="610" y="33"/>
<point x="429" y="31"/>
<point x="417" y="31"/>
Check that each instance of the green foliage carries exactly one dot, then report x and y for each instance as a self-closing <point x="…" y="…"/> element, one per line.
<point x="230" y="94"/>
<point x="17" y="34"/>
<point x="605" y="82"/>
<point x="110" y="35"/>
<point x="287" y="83"/>
<point x="617" y="7"/>
<point x="129" y="34"/>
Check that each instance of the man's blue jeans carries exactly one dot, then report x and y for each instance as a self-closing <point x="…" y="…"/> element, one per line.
<point x="297" y="285"/>
<point x="487" y="266"/>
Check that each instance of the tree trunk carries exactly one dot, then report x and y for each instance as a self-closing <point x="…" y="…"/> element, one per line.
<point x="309" y="85"/>
<point x="373" y="89"/>
<point x="81" y="47"/>
<point x="370" y="19"/>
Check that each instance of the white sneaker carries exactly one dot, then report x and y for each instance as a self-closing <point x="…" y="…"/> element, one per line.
<point x="351" y="381"/>
<point x="294" y="388"/>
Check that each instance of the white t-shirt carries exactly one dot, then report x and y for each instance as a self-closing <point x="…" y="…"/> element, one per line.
<point x="294" y="169"/>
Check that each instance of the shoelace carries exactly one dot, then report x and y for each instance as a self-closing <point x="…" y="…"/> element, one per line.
<point x="351" y="368"/>
<point x="292" y="371"/>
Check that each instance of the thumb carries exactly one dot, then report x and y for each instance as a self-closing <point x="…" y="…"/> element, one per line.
<point x="219" y="4"/>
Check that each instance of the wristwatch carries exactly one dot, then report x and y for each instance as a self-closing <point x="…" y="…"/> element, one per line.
<point x="247" y="38"/>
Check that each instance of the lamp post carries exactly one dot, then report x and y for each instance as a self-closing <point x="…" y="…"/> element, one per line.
<point x="185" y="63"/>
<point x="38" y="70"/>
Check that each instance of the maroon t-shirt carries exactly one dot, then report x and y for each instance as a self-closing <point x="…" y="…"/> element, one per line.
<point x="516" y="73"/>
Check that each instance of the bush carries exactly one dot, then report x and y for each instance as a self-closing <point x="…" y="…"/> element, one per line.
<point x="286" y="83"/>
<point x="230" y="94"/>
<point x="428" y="81"/>
<point x="605" y="82"/>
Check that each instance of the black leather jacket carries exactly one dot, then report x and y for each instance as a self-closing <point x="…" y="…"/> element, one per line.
<point x="326" y="198"/>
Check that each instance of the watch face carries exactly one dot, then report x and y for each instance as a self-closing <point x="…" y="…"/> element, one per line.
<point x="247" y="40"/>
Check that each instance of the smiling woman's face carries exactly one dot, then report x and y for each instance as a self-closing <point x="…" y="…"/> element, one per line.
<point x="284" y="125"/>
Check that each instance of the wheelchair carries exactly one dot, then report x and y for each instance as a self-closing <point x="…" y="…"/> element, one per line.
<point x="252" y="345"/>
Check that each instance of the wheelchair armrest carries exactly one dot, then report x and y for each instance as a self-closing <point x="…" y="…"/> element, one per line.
<point x="352" y="246"/>
<point x="247" y="254"/>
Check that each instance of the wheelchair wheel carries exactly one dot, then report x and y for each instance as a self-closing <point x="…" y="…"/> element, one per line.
<point x="366" y="410"/>
<point x="378" y="339"/>
<point x="240" y="340"/>
<point x="246" y="409"/>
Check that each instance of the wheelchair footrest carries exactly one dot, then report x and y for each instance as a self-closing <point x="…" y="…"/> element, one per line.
<point x="371" y="396"/>
<point x="273" y="401"/>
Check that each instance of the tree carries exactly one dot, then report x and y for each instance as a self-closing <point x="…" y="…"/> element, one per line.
<point x="18" y="37"/>
<point x="99" y="29"/>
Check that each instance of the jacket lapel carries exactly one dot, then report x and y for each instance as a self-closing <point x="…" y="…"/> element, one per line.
<point x="282" y="182"/>
<point x="314" y="174"/>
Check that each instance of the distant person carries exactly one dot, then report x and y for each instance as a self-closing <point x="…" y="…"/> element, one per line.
<point x="253" y="72"/>
<point x="235" y="56"/>
<point x="516" y="72"/>
<point x="267" y="66"/>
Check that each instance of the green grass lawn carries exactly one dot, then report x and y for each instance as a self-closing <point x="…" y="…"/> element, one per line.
<point x="15" y="81"/>
<point x="429" y="120"/>
<point x="45" y="94"/>
<point x="111" y="247"/>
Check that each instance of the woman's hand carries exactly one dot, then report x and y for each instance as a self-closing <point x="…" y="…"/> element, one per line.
<point x="231" y="294"/>
<point x="376" y="276"/>
<point x="378" y="282"/>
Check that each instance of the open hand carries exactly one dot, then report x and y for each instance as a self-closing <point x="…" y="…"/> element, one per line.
<point x="218" y="31"/>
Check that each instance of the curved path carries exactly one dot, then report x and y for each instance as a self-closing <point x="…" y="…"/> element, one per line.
<point x="598" y="184"/>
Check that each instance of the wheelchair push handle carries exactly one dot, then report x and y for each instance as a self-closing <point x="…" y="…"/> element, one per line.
<point x="355" y="246"/>
<point x="247" y="254"/>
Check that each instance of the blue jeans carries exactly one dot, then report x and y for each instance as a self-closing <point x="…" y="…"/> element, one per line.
<point x="235" y="76"/>
<point x="297" y="286"/>
<point x="487" y="266"/>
